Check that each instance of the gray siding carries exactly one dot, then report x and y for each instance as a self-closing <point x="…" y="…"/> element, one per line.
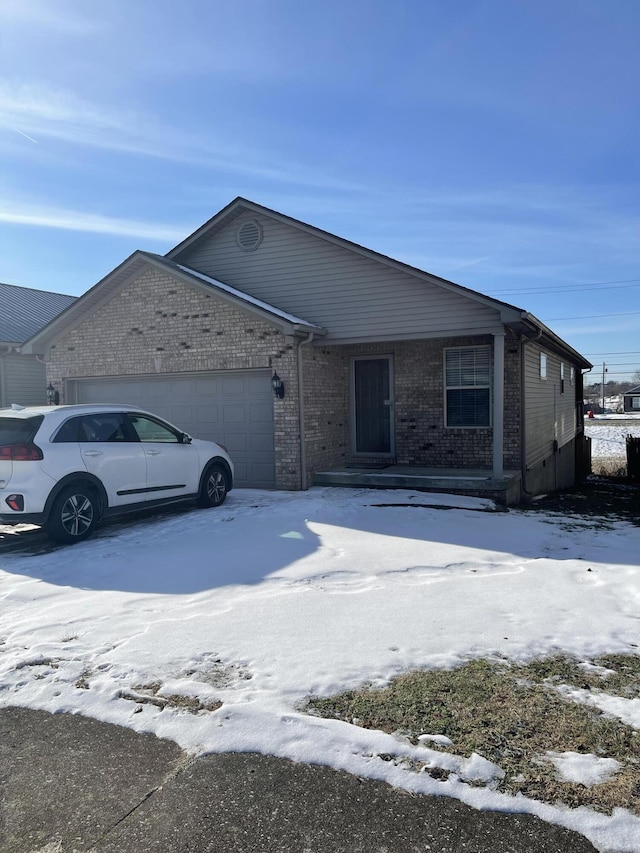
<point x="22" y="380"/>
<point x="355" y="298"/>
<point x="550" y="413"/>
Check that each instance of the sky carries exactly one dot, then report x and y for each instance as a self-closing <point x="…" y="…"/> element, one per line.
<point x="490" y="142"/>
<point x="276" y="596"/>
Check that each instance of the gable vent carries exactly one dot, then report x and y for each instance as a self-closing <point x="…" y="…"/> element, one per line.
<point x="249" y="235"/>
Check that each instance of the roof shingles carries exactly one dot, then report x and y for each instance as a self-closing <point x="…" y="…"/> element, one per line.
<point x="24" y="311"/>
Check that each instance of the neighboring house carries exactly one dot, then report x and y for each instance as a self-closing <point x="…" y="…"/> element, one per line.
<point x="23" y="312"/>
<point x="383" y="366"/>
<point x="631" y="400"/>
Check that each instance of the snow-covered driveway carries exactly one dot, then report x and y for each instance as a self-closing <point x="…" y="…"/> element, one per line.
<point x="275" y="596"/>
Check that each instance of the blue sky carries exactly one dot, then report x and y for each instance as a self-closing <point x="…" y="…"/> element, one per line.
<point x="491" y="142"/>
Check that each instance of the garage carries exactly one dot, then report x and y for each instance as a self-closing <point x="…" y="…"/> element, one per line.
<point x="234" y="408"/>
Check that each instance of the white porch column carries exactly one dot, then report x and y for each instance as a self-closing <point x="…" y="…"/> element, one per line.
<point x="498" y="404"/>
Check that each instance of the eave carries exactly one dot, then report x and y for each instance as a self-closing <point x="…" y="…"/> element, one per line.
<point x="130" y="269"/>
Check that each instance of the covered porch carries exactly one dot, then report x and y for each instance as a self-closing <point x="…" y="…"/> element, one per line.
<point x="504" y="489"/>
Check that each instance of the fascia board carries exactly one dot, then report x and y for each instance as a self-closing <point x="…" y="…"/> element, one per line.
<point x="102" y="292"/>
<point x="446" y="334"/>
<point x="86" y="304"/>
<point x="549" y="338"/>
<point x="281" y="323"/>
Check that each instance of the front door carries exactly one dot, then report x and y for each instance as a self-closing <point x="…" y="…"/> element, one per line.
<point x="372" y="408"/>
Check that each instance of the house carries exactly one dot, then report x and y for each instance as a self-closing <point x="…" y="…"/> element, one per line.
<point x="631" y="400"/>
<point x="23" y="312"/>
<point x="380" y="369"/>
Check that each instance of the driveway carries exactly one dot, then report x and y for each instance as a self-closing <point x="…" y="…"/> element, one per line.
<point x="70" y="784"/>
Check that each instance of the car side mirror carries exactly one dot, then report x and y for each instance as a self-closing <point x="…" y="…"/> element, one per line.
<point x="186" y="438"/>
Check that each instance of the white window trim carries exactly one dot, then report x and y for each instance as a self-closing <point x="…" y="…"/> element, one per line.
<point x="543" y="365"/>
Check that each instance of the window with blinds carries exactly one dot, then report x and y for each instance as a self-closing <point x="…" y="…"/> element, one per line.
<point x="468" y="386"/>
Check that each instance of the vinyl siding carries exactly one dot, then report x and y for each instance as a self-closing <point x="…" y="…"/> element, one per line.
<point x="550" y="415"/>
<point x="22" y="380"/>
<point x="355" y="298"/>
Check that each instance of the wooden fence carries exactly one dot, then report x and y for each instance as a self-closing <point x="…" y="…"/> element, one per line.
<point x="633" y="458"/>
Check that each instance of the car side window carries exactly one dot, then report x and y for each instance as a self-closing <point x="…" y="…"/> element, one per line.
<point x="109" y="426"/>
<point x="149" y="429"/>
<point x="68" y="432"/>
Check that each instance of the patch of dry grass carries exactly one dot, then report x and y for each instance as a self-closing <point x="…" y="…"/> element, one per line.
<point x="148" y="694"/>
<point x="609" y="466"/>
<point x="512" y="715"/>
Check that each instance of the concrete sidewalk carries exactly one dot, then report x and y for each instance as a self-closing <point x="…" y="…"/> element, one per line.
<point x="69" y="783"/>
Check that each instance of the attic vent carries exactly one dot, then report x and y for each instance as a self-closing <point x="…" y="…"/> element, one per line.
<point x="249" y="235"/>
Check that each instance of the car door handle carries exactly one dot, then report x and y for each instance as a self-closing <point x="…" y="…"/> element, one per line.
<point x="93" y="453"/>
<point x="153" y="452"/>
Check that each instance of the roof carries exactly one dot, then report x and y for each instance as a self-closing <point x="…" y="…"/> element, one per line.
<point x="240" y="204"/>
<point x="132" y="267"/>
<point x="24" y="311"/>
<point x="516" y="318"/>
<point x="635" y="390"/>
<point x="238" y="294"/>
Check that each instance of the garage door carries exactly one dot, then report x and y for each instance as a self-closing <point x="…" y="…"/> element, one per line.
<point x="235" y="409"/>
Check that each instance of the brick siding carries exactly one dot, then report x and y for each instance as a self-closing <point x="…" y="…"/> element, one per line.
<point x="420" y="435"/>
<point x="158" y="325"/>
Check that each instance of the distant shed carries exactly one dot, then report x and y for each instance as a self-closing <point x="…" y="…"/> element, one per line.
<point x="631" y="402"/>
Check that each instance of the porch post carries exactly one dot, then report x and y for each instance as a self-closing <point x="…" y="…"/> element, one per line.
<point x="498" y="405"/>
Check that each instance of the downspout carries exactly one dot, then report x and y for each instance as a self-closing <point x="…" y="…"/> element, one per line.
<point x="303" y="447"/>
<point x="3" y="380"/>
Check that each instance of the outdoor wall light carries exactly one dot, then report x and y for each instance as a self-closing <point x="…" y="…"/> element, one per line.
<point x="53" y="396"/>
<point x="278" y="386"/>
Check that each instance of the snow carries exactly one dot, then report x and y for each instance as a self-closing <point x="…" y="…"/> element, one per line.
<point x="585" y="768"/>
<point x="608" y="434"/>
<point x="277" y="595"/>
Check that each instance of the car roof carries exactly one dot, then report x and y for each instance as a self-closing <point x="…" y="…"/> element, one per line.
<point x="16" y="411"/>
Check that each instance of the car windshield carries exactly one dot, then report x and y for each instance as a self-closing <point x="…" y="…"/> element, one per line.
<point x="18" y="430"/>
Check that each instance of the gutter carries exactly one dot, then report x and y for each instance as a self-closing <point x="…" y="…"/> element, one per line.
<point x="303" y="448"/>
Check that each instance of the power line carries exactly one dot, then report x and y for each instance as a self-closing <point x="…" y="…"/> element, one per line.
<point x="592" y="316"/>
<point x="601" y="285"/>
<point x="622" y="364"/>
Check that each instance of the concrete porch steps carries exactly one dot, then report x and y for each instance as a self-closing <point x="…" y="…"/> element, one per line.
<point x="477" y="483"/>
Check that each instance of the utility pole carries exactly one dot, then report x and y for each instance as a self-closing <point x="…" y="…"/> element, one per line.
<point x="604" y="370"/>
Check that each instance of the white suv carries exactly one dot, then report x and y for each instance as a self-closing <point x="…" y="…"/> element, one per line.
<point x="66" y="467"/>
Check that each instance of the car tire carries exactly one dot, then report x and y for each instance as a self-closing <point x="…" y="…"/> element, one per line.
<point x="74" y="514"/>
<point x="215" y="485"/>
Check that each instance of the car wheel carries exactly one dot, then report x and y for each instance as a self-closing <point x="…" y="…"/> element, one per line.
<point x="214" y="486"/>
<point x="74" y="514"/>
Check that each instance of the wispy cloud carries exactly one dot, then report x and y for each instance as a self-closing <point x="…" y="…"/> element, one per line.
<point x="56" y="112"/>
<point x="73" y="220"/>
<point x="39" y="112"/>
<point x="63" y="17"/>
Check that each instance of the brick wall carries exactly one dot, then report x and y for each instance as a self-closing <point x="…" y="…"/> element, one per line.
<point x="156" y="325"/>
<point x="421" y="437"/>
